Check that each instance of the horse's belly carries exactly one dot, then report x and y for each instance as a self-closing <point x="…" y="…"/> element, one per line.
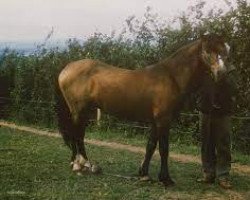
<point x="123" y="110"/>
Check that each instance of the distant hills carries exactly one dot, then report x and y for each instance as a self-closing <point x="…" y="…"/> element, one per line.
<point x="30" y="46"/>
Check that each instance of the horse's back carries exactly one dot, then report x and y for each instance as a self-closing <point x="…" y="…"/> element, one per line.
<point x="87" y="68"/>
<point x="75" y="69"/>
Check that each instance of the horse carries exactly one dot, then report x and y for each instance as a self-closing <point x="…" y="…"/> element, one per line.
<point x="152" y="94"/>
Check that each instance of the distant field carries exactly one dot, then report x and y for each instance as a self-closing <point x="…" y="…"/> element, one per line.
<point x="37" y="167"/>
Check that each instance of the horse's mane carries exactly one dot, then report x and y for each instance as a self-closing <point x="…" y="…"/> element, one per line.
<point x="183" y="50"/>
<point x="178" y="56"/>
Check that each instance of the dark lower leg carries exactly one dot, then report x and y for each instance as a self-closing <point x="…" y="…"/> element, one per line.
<point x="164" y="176"/>
<point x="74" y="152"/>
<point x="150" y="149"/>
<point x="81" y="149"/>
<point x="81" y="156"/>
<point x="80" y="146"/>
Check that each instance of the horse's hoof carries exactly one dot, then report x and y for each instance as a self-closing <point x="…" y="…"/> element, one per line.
<point x="145" y="178"/>
<point x="79" y="173"/>
<point x="95" y="169"/>
<point x="87" y="164"/>
<point x="76" y="167"/>
<point x="85" y="169"/>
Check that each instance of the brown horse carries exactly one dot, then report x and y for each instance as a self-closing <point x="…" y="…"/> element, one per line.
<point x="152" y="94"/>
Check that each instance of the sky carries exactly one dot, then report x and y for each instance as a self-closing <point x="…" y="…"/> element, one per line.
<point x="32" y="20"/>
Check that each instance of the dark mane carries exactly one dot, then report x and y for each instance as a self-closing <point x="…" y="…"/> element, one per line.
<point x="182" y="51"/>
<point x="178" y="60"/>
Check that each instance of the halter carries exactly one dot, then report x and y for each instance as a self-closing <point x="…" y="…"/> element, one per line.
<point x="207" y="59"/>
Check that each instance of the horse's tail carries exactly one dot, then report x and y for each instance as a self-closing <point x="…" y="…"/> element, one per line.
<point x="64" y="119"/>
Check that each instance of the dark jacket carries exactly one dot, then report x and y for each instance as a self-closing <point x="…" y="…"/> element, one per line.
<point x="217" y="97"/>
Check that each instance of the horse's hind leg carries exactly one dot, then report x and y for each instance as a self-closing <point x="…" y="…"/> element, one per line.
<point x="150" y="149"/>
<point x="79" y="155"/>
<point x="81" y="161"/>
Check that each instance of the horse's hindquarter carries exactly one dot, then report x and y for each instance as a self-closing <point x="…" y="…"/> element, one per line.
<point x="74" y="83"/>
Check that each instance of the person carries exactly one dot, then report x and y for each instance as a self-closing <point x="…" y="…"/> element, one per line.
<point x="216" y="104"/>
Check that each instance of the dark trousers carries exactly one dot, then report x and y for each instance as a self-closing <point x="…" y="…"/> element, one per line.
<point x="216" y="145"/>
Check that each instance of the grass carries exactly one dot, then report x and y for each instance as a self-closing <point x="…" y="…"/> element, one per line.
<point x="37" y="167"/>
<point x="182" y="145"/>
<point x="132" y="138"/>
<point x="180" y="142"/>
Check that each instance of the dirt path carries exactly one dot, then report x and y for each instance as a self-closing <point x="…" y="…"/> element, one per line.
<point x="238" y="168"/>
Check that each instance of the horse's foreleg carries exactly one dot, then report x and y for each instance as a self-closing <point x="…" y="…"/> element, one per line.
<point x="164" y="176"/>
<point x="150" y="149"/>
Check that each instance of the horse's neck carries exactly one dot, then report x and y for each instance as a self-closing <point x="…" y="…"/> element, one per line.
<point x="184" y="67"/>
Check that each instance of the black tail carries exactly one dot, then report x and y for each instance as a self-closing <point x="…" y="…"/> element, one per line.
<point x="66" y="126"/>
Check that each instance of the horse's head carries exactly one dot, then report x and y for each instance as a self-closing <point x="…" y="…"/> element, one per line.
<point x="214" y="53"/>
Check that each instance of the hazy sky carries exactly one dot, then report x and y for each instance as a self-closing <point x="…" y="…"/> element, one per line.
<point x="33" y="19"/>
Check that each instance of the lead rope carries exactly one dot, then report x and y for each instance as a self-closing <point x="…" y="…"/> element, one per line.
<point x="122" y="176"/>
